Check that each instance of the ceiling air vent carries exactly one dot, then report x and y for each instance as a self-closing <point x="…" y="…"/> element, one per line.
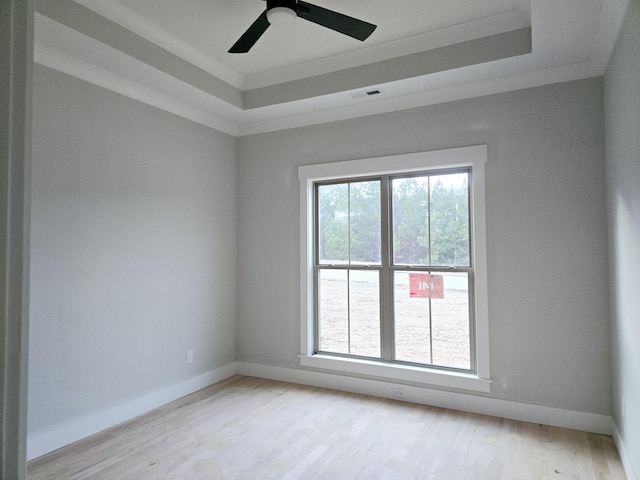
<point x="366" y="93"/>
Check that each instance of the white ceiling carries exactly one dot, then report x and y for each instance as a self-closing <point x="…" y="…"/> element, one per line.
<point x="173" y="54"/>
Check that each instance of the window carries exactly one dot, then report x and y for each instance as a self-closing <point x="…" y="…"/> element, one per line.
<point x="393" y="268"/>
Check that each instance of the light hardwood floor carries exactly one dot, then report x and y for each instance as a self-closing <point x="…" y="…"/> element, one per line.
<point x="249" y="428"/>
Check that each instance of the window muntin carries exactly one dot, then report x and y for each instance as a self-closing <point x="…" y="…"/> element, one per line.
<point x="429" y="228"/>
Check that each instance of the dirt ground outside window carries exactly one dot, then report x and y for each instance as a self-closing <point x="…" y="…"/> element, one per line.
<point x="350" y="320"/>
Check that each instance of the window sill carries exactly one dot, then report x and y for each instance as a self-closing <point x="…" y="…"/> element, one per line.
<point x="390" y="371"/>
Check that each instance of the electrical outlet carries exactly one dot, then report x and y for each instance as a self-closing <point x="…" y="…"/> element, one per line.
<point x="398" y="392"/>
<point x="189" y="356"/>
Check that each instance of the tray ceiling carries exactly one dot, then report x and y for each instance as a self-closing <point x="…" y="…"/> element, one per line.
<point x="173" y="54"/>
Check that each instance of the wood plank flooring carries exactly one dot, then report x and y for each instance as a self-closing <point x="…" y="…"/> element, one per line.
<point x="249" y="428"/>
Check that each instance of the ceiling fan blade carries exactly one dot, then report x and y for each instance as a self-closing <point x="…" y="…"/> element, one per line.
<point x="251" y="36"/>
<point x="335" y="21"/>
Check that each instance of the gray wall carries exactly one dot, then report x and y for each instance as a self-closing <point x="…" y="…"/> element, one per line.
<point x="16" y="65"/>
<point x="622" y="117"/>
<point x="546" y="222"/>
<point x="133" y="250"/>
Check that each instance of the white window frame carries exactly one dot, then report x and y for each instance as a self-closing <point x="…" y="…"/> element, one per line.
<point x="474" y="157"/>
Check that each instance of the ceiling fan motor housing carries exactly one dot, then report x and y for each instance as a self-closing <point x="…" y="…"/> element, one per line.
<point x="281" y="12"/>
<point x="285" y="12"/>
<point x="291" y="4"/>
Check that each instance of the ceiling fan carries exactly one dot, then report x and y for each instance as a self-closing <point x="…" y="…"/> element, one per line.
<point x="282" y="12"/>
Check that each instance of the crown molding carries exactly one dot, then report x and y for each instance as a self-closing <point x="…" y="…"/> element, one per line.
<point x="469" y="88"/>
<point x="609" y="26"/>
<point x="133" y="21"/>
<point x="51" y="58"/>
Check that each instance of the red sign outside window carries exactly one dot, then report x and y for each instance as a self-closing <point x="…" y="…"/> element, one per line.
<point x="424" y="285"/>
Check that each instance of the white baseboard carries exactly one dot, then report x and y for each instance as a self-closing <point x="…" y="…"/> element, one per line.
<point x="557" y="417"/>
<point x="42" y="442"/>
<point x="627" y="461"/>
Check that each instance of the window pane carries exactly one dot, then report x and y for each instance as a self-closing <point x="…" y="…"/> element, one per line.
<point x="364" y="309"/>
<point x="450" y="323"/>
<point x="432" y="318"/>
<point x="349" y="312"/>
<point x="411" y="221"/>
<point x="333" y="311"/>
<point x="349" y="223"/>
<point x="449" y="220"/>
<point x="412" y="322"/>
<point x="333" y="223"/>
<point x="431" y="220"/>
<point x="365" y="222"/>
